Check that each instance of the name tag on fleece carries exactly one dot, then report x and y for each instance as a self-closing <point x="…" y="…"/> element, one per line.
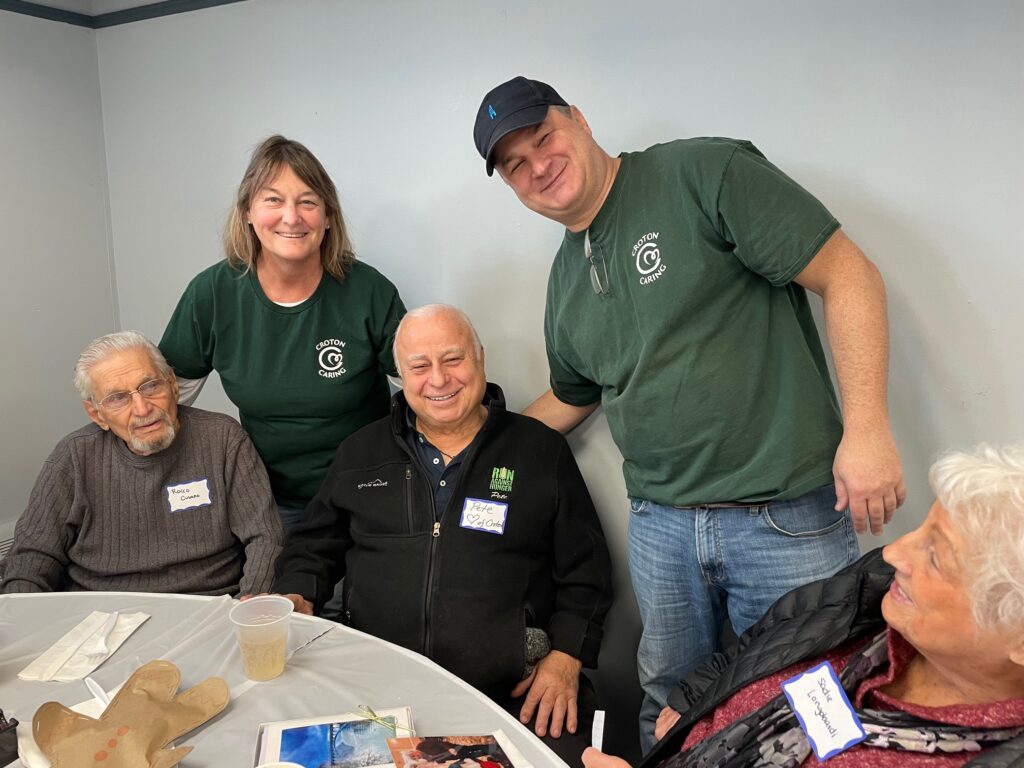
<point x="481" y="515"/>
<point x="195" y="493"/>
<point x="824" y="712"/>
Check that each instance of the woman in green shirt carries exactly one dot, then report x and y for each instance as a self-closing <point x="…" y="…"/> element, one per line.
<point x="299" y="332"/>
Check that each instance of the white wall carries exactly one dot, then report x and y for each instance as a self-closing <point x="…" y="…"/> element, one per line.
<point x="58" y="279"/>
<point x="905" y="119"/>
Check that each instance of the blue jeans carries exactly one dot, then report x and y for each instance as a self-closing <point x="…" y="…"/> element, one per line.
<point x="290" y="516"/>
<point x="693" y="566"/>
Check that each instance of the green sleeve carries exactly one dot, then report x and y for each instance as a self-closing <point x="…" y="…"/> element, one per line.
<point x="776" y="225"/>
<point x="569" y="385"/>
<point x="187" y="342"/>
<point x="385" y="327"/>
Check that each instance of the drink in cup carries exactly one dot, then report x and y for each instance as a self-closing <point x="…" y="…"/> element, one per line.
<point x="261" y="626"/>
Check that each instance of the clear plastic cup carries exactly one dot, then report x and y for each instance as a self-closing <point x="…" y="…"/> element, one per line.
<point x="261" y="626"/>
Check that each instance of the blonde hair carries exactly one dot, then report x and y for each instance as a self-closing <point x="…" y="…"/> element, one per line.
<point x="242" y="247"/>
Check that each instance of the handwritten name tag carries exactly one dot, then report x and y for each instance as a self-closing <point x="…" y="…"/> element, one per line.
<point x="481" y="515"/>
<point x="190" y="495"/>
<point x="824" y="712"/>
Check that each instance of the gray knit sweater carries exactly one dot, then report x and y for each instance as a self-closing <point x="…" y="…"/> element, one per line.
<point x="102" y="518"/>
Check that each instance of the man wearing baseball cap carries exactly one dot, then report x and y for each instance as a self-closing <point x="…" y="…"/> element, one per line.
<point x="677" y="301"/>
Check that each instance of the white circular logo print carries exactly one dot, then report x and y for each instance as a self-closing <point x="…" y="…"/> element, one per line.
<point x="648" y="258"/>
<point x="331" y="359"/>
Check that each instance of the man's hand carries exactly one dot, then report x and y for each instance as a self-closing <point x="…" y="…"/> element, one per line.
<point x="869" y="479"/>
<point x="593" y="758"/>
<point x="302" y="605"/>
<point x="552" y="687"/>
<point x="666" y="719"/>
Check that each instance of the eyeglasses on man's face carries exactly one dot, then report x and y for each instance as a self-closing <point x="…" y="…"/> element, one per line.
<point x="150" y="390"/>
<point x="601" y="288"/>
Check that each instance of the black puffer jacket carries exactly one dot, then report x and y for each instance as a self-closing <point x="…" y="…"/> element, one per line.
<point x="802" y="625"/>
<point x="463" y="597"/>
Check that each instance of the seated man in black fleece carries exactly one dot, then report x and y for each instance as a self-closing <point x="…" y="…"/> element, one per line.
<point x="464" y="532"/>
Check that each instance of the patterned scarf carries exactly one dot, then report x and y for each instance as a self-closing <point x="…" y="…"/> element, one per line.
<point x="771" y="736"/>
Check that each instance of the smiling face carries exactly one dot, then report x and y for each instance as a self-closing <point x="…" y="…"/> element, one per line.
<point x="555" y="167"/>
<point x="289" y="219"/>
<point x="442" y="376"/>
<point x="147" y="425"/>
<point x="929" y="603"/>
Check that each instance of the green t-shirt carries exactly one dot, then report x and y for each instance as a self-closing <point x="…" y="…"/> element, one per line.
<point x="704" y="354"/>
<point x="303" y="378"/>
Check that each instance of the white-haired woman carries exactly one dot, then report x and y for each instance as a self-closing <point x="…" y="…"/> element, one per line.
<point x="926" y="638"/>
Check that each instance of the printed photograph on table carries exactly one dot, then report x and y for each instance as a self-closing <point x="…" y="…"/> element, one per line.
<point x="340" y="741"/>
<point x="453" y="752"/>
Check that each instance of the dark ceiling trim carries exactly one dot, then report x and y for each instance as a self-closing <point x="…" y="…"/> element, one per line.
<point x="113" y="19"/>
<point x="155" y="11"/>
<point x="46" y="12"/>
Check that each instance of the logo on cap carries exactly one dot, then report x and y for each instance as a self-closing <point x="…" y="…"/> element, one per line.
<point x="491" y="113"/>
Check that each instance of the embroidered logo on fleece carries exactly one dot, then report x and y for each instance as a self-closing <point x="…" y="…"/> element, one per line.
<point x="376" y="483"/>
<point x="648" y="258"/>
<point x="501" y="479"/>
<point x="329" y="357"/>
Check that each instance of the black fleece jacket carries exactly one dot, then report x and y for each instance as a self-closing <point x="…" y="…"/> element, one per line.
<point x="802" y="625"/>
<point x="463" y="597"/>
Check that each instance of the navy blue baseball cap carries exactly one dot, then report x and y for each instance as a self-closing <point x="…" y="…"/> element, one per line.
<point x="516" y="104"/>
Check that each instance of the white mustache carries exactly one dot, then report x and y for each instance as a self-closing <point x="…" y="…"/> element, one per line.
<point x="146" y="420"/>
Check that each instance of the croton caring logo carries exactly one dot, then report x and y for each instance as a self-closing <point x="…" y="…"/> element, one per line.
<point x="330" y="357"/>
<point x="648" y="258"/>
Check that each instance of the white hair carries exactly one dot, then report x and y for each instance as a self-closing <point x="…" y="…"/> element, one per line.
<point x="99" y="349"/>
<point x="983" y="492"/>
<point x="429" y="310"/>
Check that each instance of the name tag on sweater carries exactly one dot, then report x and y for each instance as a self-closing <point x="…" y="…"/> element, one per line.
<point x="824" y="712"/>
<point x="195" y="493"/>
<point x="481" y="515"/>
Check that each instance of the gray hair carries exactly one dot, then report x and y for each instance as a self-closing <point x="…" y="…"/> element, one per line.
<point x="99" y="349"/>
<point x="983" y="491"/>
<point x="429" y="310"/>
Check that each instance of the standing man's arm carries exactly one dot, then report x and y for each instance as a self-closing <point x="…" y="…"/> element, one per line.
<point x="867" y="470"/>
<point x="559" y="416"/>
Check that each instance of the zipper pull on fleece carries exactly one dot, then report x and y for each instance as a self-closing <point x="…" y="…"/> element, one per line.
<point x="437" y="530"/>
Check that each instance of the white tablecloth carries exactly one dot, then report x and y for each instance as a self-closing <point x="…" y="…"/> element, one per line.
<point x="335" y="673"/>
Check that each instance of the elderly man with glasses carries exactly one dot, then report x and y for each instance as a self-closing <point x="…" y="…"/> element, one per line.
<point x="151" y="497"/>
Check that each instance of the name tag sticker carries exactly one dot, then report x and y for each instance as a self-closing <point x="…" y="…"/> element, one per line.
<point x="481" y="515"/>
<point x="824" y="712"/>
<point x="195" y="493"/>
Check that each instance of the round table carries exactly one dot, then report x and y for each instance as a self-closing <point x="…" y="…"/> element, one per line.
<point x="331" y="670"/>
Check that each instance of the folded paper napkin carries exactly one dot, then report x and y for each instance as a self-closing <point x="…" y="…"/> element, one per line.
<point x="80" y="651"/>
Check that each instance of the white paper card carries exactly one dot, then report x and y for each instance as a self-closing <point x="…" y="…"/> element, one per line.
<point x="481" y="515"/>
<point x="824" y="712"/>
<point x="190" y="495"/>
